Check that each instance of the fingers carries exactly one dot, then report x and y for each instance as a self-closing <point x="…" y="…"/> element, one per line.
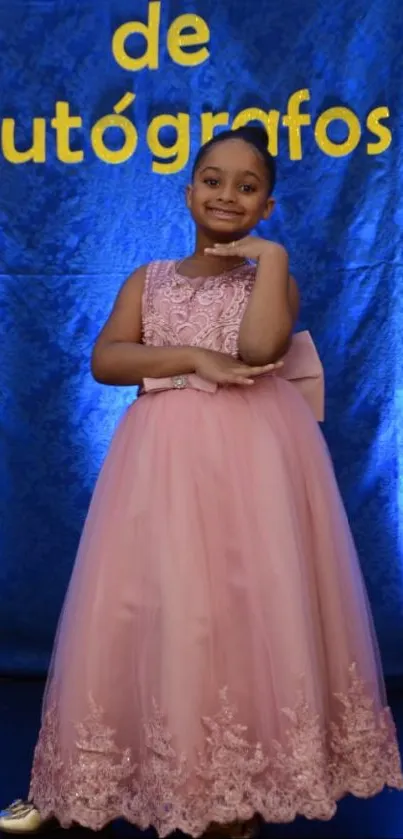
<point x="239" y="380"/>
<point x="247" y="375"/>
<point x="226" y="250"/>
<point x="267" y="368"/>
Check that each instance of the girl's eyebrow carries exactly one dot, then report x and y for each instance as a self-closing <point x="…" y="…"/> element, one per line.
<point x="217" y="169"/>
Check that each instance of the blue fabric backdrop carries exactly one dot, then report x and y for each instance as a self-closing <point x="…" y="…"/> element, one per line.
<point x="70" y="232"/>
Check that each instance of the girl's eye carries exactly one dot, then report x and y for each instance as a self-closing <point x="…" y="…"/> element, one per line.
<point x="213" y="182"/>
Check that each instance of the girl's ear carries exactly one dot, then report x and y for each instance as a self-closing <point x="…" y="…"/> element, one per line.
<point x="270" y="205"/>
<point x="189" y="193"/>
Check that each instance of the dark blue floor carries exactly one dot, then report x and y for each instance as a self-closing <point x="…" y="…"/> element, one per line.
<point x="20" y="701"/>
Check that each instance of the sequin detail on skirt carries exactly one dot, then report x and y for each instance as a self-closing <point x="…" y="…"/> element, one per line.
<point x="231" y="779"/>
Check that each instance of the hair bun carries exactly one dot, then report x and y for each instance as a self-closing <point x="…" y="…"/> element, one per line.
<point x="255" y="134"/>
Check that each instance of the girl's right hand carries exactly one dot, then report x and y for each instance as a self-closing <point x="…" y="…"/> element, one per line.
<point x="225" y="370"/>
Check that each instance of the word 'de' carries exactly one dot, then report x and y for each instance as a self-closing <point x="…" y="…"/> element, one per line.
<point x="188" y="30"/>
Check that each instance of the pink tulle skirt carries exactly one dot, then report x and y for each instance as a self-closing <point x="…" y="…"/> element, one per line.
<point x="215" y="657"/>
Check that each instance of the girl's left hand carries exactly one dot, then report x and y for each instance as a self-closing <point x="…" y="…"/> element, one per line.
<point x="252" y="247"/>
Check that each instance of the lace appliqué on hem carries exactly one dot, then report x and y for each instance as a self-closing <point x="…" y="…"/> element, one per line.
<point x="231" y="780"/>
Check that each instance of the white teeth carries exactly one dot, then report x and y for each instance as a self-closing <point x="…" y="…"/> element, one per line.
<point x="224" y="213"/>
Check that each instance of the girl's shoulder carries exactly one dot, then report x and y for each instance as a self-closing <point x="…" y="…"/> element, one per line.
<point x="160" y="263"/>
<point x="159" y="267"/>
<point x="157" y="274"/>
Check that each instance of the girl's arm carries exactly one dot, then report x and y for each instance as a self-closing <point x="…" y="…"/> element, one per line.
<point x="273" y="307"/>
<point x="119" y="358"/>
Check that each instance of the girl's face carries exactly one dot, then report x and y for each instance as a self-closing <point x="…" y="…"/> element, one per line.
<point x="229" y="195"/>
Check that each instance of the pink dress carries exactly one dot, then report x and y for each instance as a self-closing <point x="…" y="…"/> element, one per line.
<point x="215" y="656"/>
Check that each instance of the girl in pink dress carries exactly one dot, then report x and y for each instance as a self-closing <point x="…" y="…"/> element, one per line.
<point x="215" y="661"/>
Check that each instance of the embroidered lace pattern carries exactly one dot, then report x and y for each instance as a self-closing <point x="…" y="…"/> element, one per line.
<point x="205" y="312"/>
<point x="232" y="779"/>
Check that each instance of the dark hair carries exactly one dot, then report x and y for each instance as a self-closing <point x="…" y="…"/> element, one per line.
<point x="256" y="136"/>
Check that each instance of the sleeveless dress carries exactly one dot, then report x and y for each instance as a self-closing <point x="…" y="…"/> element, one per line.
<point x="215" y="657"/>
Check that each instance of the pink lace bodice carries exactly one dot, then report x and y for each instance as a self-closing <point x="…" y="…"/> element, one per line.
<point x="203" y="312"/>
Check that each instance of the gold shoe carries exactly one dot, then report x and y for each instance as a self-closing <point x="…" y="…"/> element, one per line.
<point x="21" y="817"/>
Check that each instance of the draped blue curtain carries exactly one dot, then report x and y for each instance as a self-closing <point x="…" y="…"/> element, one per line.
<point x="72" y="231"/>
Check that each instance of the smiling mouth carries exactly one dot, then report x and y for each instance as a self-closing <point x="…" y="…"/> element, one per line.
<point x="224" y="214"/>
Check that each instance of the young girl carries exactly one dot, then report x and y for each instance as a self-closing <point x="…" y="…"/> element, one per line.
<point x="215" y="660"/>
